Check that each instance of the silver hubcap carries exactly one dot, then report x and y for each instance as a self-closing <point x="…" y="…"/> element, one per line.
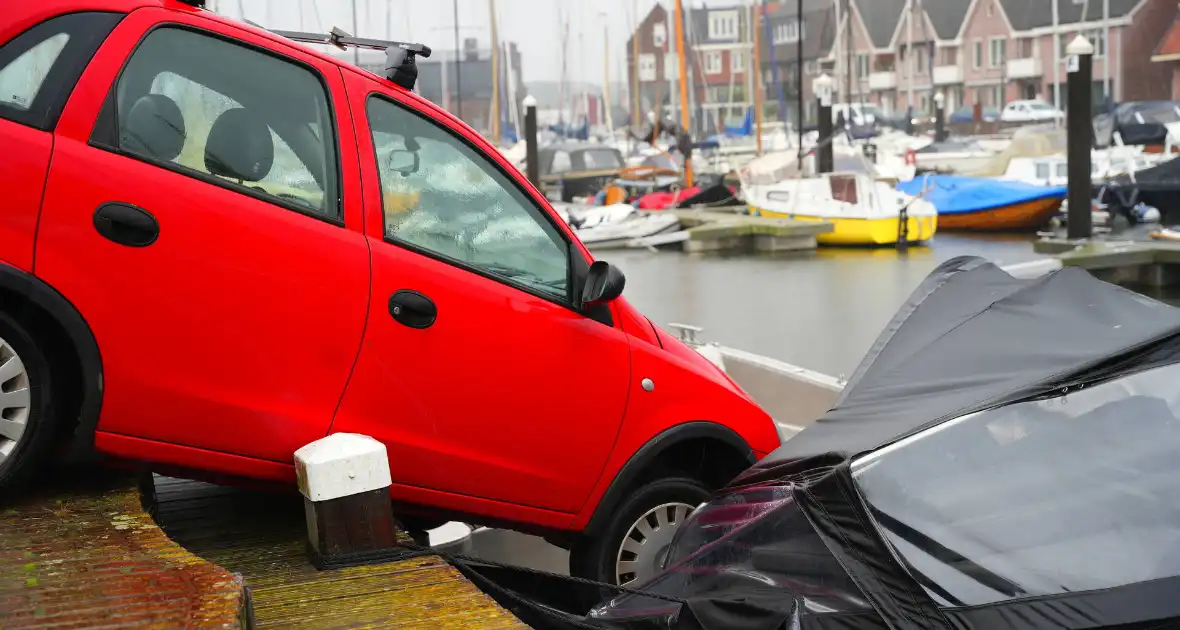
<point x="646" y="543"/>
<point x="14" y="400"/>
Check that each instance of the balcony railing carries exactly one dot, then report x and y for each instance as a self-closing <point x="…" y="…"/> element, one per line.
<point x="947" y="75"/>
<point x="1024" y="68"/>
<point x="883" y="80"/>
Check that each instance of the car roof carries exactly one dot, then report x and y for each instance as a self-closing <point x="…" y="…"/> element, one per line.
<point x="127" y="6"/>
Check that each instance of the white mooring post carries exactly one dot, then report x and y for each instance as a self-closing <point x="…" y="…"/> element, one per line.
<point x="344" y="479"/>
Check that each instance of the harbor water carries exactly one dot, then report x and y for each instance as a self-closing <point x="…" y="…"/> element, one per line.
<point x="820" y="310"/>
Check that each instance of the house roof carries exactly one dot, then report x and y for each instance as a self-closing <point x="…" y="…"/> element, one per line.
<point x="1169" y="48"/>
<point x="1025" y="15"/>
<point x="880" y="18"/>
<point x="947" y="16"/>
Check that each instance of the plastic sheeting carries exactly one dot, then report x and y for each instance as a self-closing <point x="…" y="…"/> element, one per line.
<point x="960" y="195"/>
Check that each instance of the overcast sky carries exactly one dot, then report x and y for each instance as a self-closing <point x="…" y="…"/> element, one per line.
<point x="534" y="25"/>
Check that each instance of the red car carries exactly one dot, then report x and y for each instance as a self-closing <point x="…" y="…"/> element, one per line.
<point x="218" y="245"/>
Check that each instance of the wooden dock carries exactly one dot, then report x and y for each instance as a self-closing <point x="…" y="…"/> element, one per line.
<point x="1150" y="264"/>
<point x="727" y="231"/>
<point x="89" y="553"/>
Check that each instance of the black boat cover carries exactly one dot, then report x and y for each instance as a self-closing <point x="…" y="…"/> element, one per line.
<point x="1157" y="186"/>
<point x="824" y="532"/>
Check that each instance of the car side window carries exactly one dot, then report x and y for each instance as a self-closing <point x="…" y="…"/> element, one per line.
<point x="264" y="128"/>
<point x="22" y="79"/>
<point x="442" y="197"/>
<point x="39" y="67"/>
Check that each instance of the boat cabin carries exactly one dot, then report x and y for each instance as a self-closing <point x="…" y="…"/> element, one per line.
<point x="577" y="170"/>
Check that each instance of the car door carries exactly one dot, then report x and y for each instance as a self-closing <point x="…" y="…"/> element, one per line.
<point x="194" y="214"/>
<point x="41" y="56"/>
<point x="477" y="372"/>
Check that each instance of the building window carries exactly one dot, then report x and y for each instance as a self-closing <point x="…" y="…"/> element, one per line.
<point x="723" y="25"/>
<point x="949" y="56"/>
<point x="788" y="32"/>
<point x="671" y="66"/>
<point x="918" y="59"/>
<point x="977" y="58"/>
<point x="737" y="61"/>
<point x="997" y="48"/>
<point x="659" y="35"/>
<point x="811" y="67"/>
<point x="647" y="67"/>
<point x="713" y="62"/>
<point x="862" y="66"/>
<point x="1026" y="48"/>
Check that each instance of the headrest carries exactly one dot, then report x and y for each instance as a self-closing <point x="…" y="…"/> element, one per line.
<point x="239" y="146"/>
<point x="154" y="127"/>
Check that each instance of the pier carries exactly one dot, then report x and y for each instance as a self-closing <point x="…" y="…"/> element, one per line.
<point x="721" y="231"/>
<point x="155" y="552"/>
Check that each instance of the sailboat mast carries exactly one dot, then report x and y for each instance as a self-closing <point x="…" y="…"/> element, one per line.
<point x="799" y="74"/>
<point x="635" y="113"/>
<point x="909" y="52"/>
<point x="495" y="114"/>
<point x="606" y="105"/>
<point x="356" y="51"/>
<point x="684" y="121"/>
<point x="756" y="20"/>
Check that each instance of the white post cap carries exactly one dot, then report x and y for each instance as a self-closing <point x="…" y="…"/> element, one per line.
<point x="823" y="82"/>
<point x="1080" y="46"/>
<point x="939" y="97"/>
<point x="529" y="101"/>
<point x="341" y="465"/>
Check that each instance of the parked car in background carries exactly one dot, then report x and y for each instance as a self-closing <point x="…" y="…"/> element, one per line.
<point x="269" y="245"/>
<point x="967" y="114"/>
<point x="1030" y="111"/>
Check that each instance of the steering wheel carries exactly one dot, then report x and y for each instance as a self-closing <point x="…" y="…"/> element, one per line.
<point x="644" y="171"/>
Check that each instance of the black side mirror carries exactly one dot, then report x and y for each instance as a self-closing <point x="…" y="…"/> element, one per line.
<point x="604" y="283"/>
<point x="404" y="162"/>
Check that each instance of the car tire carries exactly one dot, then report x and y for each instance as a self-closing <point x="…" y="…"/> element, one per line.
<point x="622" y="544"/>
<point x="23" y="368"/>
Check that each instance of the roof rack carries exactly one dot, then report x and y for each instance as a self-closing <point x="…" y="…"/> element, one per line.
<point x="399" y="56"/>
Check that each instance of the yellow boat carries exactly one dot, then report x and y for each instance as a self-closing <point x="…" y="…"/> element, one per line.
<point x="861" y="211"/>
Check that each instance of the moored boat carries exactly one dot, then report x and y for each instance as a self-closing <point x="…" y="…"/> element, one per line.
<point x="982" y="204"/>
<point x="861" y="210"/>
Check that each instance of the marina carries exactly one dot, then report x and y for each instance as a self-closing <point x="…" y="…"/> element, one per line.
<point x="667" y="361"/>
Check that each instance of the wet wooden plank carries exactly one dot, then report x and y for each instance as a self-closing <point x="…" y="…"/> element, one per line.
<point x="79" y="551"/>
<point x="263" y="537"/>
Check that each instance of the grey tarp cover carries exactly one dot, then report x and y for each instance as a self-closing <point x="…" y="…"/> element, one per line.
<point x="971" y="335"/>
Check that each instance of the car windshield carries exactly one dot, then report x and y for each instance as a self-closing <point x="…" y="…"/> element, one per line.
<point x="1073" y="493"/>
<point x="1040" y="106"/>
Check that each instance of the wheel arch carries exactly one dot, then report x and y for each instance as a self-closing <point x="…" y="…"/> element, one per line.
<point x="649" y="457"/>
<point x="76" y="333"/>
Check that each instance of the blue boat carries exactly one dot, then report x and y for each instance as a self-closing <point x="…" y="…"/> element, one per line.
<point x="984" y="204"/>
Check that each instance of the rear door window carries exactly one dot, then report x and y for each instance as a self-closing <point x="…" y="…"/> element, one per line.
<point x="265" y="128"/>
<point x="39" y="68"/>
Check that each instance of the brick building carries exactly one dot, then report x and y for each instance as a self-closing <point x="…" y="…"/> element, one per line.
<point x="994" y="51"/>
<point x="722" y="47"/>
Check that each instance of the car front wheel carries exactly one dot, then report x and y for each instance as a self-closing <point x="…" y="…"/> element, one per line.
<point x="633" y="545"/>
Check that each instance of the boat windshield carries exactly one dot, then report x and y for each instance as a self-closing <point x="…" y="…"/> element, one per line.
<point x="1073" y="493"/>
<point x="1163" y="112"/>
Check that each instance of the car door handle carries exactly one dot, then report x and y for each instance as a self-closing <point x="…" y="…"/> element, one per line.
<point x="126" y="225"/>
<point x="410" y="308"/>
